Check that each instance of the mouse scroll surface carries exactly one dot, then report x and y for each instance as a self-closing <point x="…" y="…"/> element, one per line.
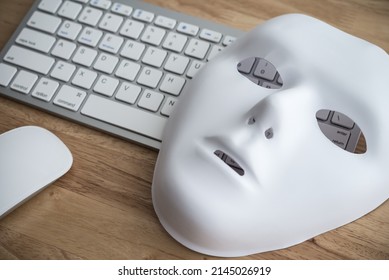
<point x="30" y="159"/>
<point x="253" y="170"/>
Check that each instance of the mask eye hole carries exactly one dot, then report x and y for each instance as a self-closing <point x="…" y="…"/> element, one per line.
<point x="261" y="72"/>
<point x="342" y="131"/>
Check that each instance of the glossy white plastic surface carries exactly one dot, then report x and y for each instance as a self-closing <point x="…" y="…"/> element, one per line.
<point x="296" y="184"/>
<point x="30" y="159"/>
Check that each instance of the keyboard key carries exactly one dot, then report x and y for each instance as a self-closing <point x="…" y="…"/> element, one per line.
<point x="85" y="56"/>
<point x="111" y="22"/>
<point x="63" y="71"/>
<point x="154" y="57"/>
<point x="168" y="107"/>
<point x="24" y="82"/>
<point x="172" y="84"/>
<point x="45" y="89"/>
<point x="35" y="40"/>
<point x="29" y="59"/>
<point x="323" y="114"/>
<point x="165" y="22"/>
<point x="128" y="93"/>
<point x="246" y="65"/>
<point x="175" y="42"/>
<point x="70" y="10"/>
<point x="187" y="28"/>
<point x="132" y="50"/>
<point x="342" y="120"/>
<point x="50" y="6"/>
<point x="84" y="78"/>
<point x="279" y="80"/>
<point x="215" y="50"/>
<point x="210" y="35"/>
<point x="44" y="22"/>
<point x="63" y="49"/>
<point x="69" y="97"/>
<point x="233" y="164"/>
<point x="143" y="15"/>
<point x="90" y="16"/>
<point x="150" y="77"/>
<point x="106" y="63"/>
<point x="228" y="40"/>
<point x="260" y="72"/>
<point x="131" y="29"/>
<point x="111" y="43"/>
<point x="269" y="85"/>
<point x="151" y="100"/>
<point x="69" y="30"/>
<point x="127" y="70"/>
<point x="102" y="4"/>
<point x="336" y="135"/>
<point x="124" y="116"/>
<point x="197" y="48"/>
<point x="90" y="36"/>
<point x="265" y="70"/>
<point x="106" y="85"/>
<point x="194" y="68"/>
<point x="121" y="9"/>
<point x="153" y="35"/>
<point x="176" y="63"/>
<point x="6" y="74"/>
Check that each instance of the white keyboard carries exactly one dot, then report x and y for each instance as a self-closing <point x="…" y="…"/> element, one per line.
<point x="116" y="66"/>
<point x="121" y="66"/>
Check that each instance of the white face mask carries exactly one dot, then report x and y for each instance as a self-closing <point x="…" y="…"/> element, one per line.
<point x="296" y="183"/>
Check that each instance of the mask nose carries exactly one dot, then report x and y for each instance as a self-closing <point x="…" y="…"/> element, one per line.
<point x="282" y="113"/>
<point x="269" y="133"/>
<point x="263" y="118"/>
<point x="259" y="125"/>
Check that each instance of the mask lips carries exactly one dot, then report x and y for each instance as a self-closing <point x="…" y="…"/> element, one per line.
<point x="230" y="162"/>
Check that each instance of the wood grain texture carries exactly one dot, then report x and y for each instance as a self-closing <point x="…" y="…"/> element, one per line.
<point x="102" y="209"/>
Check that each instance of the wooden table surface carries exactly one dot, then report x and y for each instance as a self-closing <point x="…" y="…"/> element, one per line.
<point x="102" y="209"/>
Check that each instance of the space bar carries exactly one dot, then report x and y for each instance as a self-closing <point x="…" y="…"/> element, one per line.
<point x="124" y="116"/>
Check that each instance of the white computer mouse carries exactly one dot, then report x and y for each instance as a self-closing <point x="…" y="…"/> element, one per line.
<point x="30" y="159"/>
<point x="281" y="181"/>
